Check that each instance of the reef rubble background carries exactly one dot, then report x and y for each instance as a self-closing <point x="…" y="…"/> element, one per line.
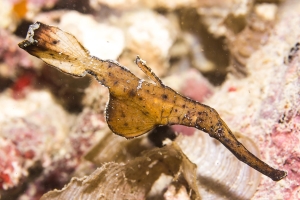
<point x="240" y="57"/>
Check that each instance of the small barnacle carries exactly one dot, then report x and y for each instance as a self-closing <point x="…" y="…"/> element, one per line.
<point x="141" y="116"/>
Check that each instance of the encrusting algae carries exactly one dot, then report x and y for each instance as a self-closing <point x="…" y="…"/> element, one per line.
<point x="135" y="106"/>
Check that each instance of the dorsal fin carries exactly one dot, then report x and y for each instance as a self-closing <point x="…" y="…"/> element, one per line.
<point x="148" y="71"/>
<point x="127" y="119"/>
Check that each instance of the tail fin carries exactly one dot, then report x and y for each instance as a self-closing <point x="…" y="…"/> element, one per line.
<point x="56" y="48"/>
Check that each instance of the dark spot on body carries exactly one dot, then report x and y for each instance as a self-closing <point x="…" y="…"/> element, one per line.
<point x="227" y="141"/>
<point x="109" y="65"/>
<point x="109" y="73"/>
<point x="175" y="110"/>
<point x="55" y="42"/>
<point x="220" y="132"/>
<point x="91" y="73"/>
<point x="125" y="124"/>
<point x="199" y="120"/>
<point x="164" y="96"/>
<point x="116" y="82"/>
<point x="140" y="98"/>
<point x="132" y="93"/>
<point x="183" y="106"/>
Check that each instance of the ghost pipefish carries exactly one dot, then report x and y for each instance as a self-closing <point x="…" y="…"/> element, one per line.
<point x="135" y="106"/>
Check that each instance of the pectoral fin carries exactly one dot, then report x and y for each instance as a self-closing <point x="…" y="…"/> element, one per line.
<point x="128" y="119"/>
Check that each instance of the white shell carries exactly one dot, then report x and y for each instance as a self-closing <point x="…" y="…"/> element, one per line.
<point x="220" y="174"/>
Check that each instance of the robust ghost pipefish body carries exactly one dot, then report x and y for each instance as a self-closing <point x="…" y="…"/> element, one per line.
<point x="135" y="106"/>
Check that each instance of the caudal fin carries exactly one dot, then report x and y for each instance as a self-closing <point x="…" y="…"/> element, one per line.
<point x="56" y="48"/>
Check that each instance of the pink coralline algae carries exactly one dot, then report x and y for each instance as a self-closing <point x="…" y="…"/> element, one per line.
<point x="28" y="134"/>
<point x="285" y="133"/>
<point x="195" y="86"/>
<point x="11" y="56"/>
<point x="10" y="164"/>
<point x="80" y="139"/>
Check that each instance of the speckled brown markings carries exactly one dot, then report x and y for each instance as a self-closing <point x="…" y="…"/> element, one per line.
<point x="293" y="52"/>
<point x="135" y="106"/>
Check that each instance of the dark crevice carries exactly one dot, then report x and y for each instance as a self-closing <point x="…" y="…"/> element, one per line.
<point x="160" y="133"/>
<point x="22" y="28"/>
<point x="78" y="5"/>
<point x="214" y="49"/>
